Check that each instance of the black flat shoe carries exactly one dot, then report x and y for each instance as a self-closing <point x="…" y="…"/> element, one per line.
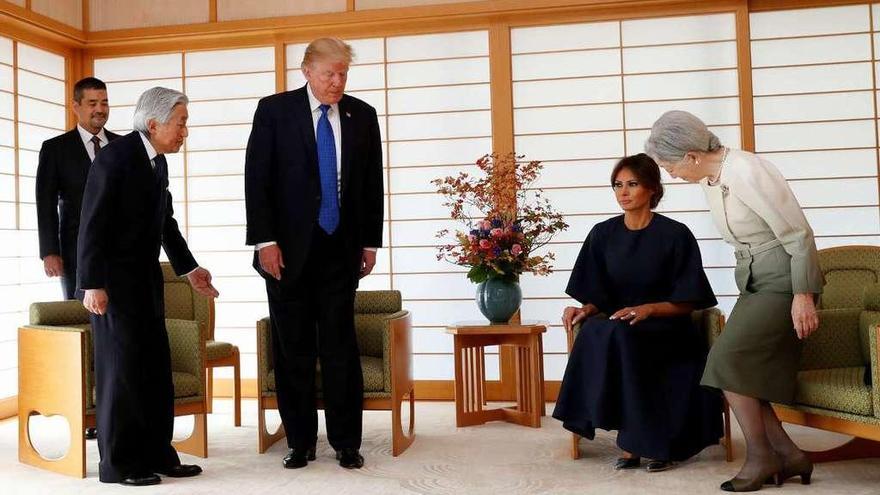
<point x="350" y="458"/>
<point x="91" y="433"/>
<point x="298" y="458"/>
<point x="182" y="471"/>
<point x="627" y="463"/>
<point x="657" y="466"/>
<point x="143" y="480"/>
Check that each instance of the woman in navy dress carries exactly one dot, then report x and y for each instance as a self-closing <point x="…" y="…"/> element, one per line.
<point x="638" y="370"/>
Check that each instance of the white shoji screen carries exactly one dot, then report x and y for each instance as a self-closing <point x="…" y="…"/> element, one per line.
<point x="432" y="96"/>
<point x="39" y="78"/>
<point x="224" y="87"/>
<point x="585" y="95"/>
<point x="815" y="115"/>
<point x="207" y="176"/>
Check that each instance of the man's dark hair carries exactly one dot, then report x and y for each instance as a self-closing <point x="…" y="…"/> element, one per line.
<point x="84" y="84"/>
<point x="646" y="171"/>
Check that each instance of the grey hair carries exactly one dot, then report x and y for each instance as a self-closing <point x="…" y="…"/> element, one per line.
<point x="676" y="133"/>
<point x="156" y="104"/>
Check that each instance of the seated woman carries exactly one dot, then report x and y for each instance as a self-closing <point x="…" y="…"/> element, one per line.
<point x="638" y="371"/>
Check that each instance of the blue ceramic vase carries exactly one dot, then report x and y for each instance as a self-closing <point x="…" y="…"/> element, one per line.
<point x="498" y="299"/>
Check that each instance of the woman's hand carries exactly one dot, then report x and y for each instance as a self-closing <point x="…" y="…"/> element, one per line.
<point x="633" y="314"/>
<point x="803" y="315"/>
<point x="572" y="315"/>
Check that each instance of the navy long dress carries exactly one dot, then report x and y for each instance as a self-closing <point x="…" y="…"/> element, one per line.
<point x="644" y="379"/>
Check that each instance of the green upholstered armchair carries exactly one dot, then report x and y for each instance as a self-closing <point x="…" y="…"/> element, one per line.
<point x="840" y="360"/>
<point x="184" y="303"/>
<point x="385" y="343"/>
<point x="712" y="322"/>
<point x="57" y="377"/>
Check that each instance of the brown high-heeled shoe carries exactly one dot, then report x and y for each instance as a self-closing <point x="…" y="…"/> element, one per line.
<point x="772" y="470"/>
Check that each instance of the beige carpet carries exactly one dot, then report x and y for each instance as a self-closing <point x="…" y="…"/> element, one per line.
<point x="496" y="459"/>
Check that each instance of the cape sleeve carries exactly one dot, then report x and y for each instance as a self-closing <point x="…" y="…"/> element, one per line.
<point x="689" y="281"/>
<point x="588" y="281"/>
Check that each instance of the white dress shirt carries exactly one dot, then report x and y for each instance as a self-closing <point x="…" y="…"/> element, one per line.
<point x="336" y="125"/>
<point x="87" y="140"/>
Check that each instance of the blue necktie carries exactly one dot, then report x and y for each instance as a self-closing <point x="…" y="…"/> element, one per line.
<point x="328" y="214"/>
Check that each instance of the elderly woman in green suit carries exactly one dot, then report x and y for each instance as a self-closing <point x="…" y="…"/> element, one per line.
<point x="755" y="360"/>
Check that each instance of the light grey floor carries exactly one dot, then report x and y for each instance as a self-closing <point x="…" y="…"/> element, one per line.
<point x="496" y="459"/>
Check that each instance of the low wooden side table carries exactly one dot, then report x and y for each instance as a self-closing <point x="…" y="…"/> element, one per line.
<point x="470" y="372"/>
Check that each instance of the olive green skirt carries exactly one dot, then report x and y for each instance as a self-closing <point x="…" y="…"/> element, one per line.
<point x="758" y="353"/>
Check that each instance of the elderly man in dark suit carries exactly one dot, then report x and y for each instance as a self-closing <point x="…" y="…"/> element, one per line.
<point x="126" y="217"/>
<point x="313" y="188"/>
<point x="61" y="177"/>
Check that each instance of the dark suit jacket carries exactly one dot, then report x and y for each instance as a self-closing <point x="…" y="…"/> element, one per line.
<point x="282" y="181"/>
<point x="61" y="177"/>
<point x="126" y="217"/>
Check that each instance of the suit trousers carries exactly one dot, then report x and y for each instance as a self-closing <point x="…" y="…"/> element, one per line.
<point x="135" y="395"/>
<point x="313" y="320"/>
<point x="68" y="279"/>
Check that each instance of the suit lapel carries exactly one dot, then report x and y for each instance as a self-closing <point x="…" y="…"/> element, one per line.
<point x="302" y="113"/>
<point x="345" y="131"/>
<point x="81" y="155"/>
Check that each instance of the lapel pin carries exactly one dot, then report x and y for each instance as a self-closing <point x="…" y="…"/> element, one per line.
<point x="347" y="114"/>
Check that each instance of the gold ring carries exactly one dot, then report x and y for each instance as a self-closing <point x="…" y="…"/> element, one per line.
<point x="632" y="313"/>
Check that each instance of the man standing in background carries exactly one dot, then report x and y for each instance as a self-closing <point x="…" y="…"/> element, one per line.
<point x="313" y="190"/>
<point x="61" y="177"/>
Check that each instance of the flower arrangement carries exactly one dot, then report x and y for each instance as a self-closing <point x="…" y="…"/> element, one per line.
<point x="507" y="219"/>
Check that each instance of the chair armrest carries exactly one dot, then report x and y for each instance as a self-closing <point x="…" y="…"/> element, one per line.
<point x="712" y="324"/>
<point x="58" y="313"/>
<point x="397" y="352"/>
<point x="187" y="348"/>
<point x="264" y="353"/>
<point x="52" y="373"/>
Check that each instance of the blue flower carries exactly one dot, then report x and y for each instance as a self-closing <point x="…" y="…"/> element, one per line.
<point x="475" y="232"/>
<point x="496" y="222"/>
<point x="497" y="251"/>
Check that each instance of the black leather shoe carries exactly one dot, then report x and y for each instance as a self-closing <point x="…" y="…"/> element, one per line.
<point x="350" y="458"/>
<point x="182" y="471"/>
<point x="144" y="480"/>
<point x="298" y="458"/>
<point x="656" y="466"/>
<point x="91" y="433"/>
<point x="627" y="463"/>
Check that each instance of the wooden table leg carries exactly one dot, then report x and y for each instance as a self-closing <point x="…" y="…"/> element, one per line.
<point x="459" y="383"/>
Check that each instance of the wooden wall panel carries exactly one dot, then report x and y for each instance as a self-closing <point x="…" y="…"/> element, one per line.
<point x="228" y="10"/>
<point x="67" y="11"/>
<point x="106" y="15"/>
<point x="20" y="3"/>
<point x="383" y="4"/>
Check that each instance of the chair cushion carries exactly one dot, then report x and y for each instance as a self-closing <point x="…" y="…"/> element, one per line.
<point x="371" y="367"/>
<point x="185" y="385"/>
<point x="179" y="301"/>
<point x="839" y="389"/>
<point x="217" y="350"/>
<point x="369" y="328"/>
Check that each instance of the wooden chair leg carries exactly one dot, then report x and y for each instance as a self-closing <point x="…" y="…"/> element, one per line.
<point x="575" y="450"/>
<point x="856" y="448"/>
<point x="72" y="464"/>
<point x="401" y="441"/>
<point x="265" y="439"/>
<point x="209" y="390"/>
<point x="197" y="443"/>
<point x="236" y="388"/>
<point x="727" y="441"/>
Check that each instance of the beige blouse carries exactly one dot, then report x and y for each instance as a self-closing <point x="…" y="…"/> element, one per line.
<point x="752" y="205"/>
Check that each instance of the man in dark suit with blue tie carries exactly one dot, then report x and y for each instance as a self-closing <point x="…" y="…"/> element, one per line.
<point x="126" y="218"/>
<point x="314" y="196"/>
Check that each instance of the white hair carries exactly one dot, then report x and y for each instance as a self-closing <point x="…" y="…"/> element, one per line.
<point x="156" y="104"/>
<point x="676" y="133"/>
